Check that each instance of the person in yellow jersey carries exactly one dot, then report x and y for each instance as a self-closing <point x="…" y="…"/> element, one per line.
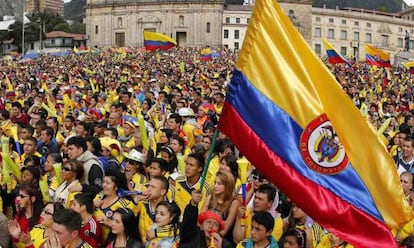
<point x="261" y="236"/>
<point x="67" y="225"/>
<point x="135" y="171"/>
<point x="41" y="232"/>
<point x="263" y="201"/>
<point x="156" y="193"/>
<point x="191" y="181"/>
<point x="330" y="240"/>
<point x="108" y="201"/>
<point x="189" y="125"/>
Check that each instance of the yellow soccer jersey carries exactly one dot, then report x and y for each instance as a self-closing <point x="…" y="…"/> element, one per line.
<point x="326" y="243"/>
<point x="109" y="212"/>
<point x="146" y="218"/>
<point x="139" y="182"/>
<point x="37" y="234"/>
<point x="277" y="228"/>
<point x="183" y="193"/>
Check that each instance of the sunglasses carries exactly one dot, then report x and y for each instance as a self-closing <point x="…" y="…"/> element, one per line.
<point x="45" y="211"/>
<point x="66" y="169"/>
<point x="258" y="178"/>
<point x="133" y="162"/>
<point x="22" y="196"/>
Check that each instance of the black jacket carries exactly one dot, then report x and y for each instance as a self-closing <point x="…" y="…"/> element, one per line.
<point x="190" y="234"/>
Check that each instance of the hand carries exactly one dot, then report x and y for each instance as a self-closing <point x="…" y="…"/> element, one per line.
<point x="217" y="240"/>
<point x="150" y="234"/>
<point x="14" y="229"/>
<point x="52" y="242"/>
<point x="97" y="203"/>
<point x="75" y="188"/>
<point x="196" y="197"/>
<point x="242" y="212"/>
<point x="25" y="238"/>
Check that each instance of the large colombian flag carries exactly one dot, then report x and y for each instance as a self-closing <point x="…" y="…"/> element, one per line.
<point x="287" y="114"/>
<point x="154" y="41"/>
<point x="377" y="57"/>
<point x="333" y="56"/>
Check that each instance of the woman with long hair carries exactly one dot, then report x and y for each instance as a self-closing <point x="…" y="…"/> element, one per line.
<point x="223" y="202"/>
<point x="39" y="233"/>
<point x="29" y="203"/>
<point x="124" y="230"/>
<point x="109" y="201"/>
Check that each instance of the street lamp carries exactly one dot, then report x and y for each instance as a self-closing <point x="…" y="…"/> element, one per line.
<point x="23" y="9"/>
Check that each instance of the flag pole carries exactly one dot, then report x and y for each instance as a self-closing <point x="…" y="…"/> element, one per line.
<point x="210" y="155"/>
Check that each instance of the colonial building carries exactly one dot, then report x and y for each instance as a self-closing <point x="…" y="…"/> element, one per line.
<point x="349" y="29"/>
<point x="217" y="24"/>
<point x="236" y="19"/>
<point x="122" y="22"/>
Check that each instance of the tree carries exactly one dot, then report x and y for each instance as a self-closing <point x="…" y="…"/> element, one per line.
<point x="78" y="28"/>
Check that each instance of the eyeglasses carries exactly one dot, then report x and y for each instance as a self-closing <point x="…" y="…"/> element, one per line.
<point x="66" y="169"/>
<point x="22" y="196"/>
<point x="45" y="211"/>
<point x="258" y="178"/>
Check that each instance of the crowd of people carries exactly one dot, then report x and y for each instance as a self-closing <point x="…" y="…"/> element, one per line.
<point x="120" y="148"/>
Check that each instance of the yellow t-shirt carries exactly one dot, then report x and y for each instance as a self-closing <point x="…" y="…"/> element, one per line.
<point x="183" y="193"/>
<point x="277" y="228"/>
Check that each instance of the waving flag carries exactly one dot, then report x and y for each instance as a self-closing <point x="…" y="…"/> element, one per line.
<point x="287" y="114"/>
<point x="410" y="66"/>
<point x="377" y="57"/>
<point x="333" y="56"/>
<point x="154" y="41"/>
<point x="206" y="54"/>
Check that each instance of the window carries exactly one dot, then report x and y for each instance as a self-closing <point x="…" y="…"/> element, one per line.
<point x="343" y="22"/>
<point x="356" y="36"/>
<point x="343" y="35"/>
<point x="119" y="22"/>
<point x="226" y="33"/>
<point x="181" y="21"/>
<point x="208" y="27"/>
<point x="237" y="20"/>
<point x="356" y="23"/>
<point x="343" y="51"/>
<point x="400" y="29"/>
<point x="368" y="25"/>
<point x="318" y="32"/>
<point x="400" y="42"/>
<point x="227" y="19"/>
<point x="248" y="20"/>
<point x="291" y="12"/>
<point x="331" y="20"/>
<point x="318" y="48"/>
<point x="236" y="45"/>
<point x="96" y="29"/>
<point x="236" y="34"/>
<point x="411" y="44"/>
<point x="63" y="41"/>
<point x="53" y="41"/>
<point x="331" y="33"/>
<point x="368" y="38"/>
<point x="384" y="40"/>
<point x="318" y="19"/>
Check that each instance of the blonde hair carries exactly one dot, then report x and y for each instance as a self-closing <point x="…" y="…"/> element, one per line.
<point x="229" y="182"/>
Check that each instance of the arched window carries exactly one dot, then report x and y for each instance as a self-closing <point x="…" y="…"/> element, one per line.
<point x="119" y="22"/>
<point x="181" y="21"/>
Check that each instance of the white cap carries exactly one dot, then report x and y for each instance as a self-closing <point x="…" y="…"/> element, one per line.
<point x="185" y="112"/>
<point x="135" y="155"/>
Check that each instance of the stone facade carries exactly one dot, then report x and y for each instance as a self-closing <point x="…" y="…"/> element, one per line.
<point x="349" y="29"/>
<point x="121" y="23"/>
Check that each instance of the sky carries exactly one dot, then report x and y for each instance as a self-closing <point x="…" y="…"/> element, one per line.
<point x="410" y="2"/>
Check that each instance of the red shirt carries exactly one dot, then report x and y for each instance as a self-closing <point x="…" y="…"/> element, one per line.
<point x="91" y="233"/>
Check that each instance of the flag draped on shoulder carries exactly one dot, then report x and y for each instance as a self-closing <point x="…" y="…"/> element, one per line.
<point x="154" y="41"/>
<point x="287" y="114"/>
<point x="333" y="56"/>
<point x="377" y="57"/>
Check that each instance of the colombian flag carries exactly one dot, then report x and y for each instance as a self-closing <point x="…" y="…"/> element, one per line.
<point x="410" y="66"/>
<point x="287" y="114"/>
<point x="206" y="54"/>
<point x="377" y="57"/>
<point x="333" y="56"/>
<point x="154" y="41"/>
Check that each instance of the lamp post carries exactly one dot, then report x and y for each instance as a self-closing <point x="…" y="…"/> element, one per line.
<point x="23" y="9"/>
